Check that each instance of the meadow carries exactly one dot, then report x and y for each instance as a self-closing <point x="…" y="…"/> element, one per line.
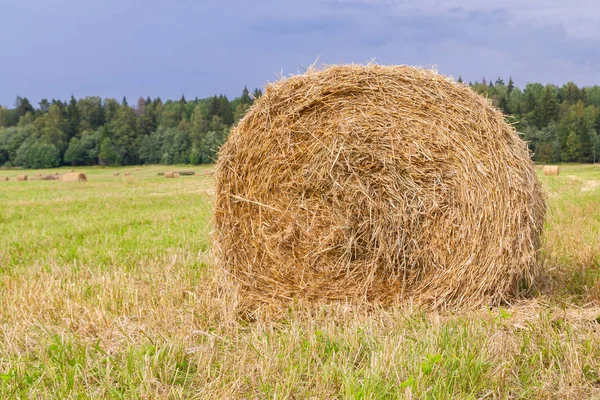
<point x="108" y="290"/>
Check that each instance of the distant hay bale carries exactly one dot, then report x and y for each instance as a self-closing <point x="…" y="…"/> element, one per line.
<point x="4" y="178"/>
<point x="181" y="173"/>
<point x="137" y="169"/>
<point x="39" y="175"/>
<point x="116" y="174"/>
<point x="170" y="175"/>
<point x="74" y="177"/>
<point x="551" y="170"/>
<point x="21" y="177"/>
<point x="176" y="174"/>
<point x="376" y="183"/>
<point x="127" y="173"/>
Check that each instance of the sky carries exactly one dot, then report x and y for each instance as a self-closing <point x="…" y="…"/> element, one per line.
<point x="115" y="48"/>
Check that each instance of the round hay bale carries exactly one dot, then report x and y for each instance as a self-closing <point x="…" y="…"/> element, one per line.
<point x="176" y="174"/>
<point x="74" y="177"/>
<point x="170" y="175"/>
<point x="376" y="183"/>
<point x="115" y="174"/>
<point x="127" y="173"/>
<point x="4" y="178"/>
<point x="551" y="170"/>
<point x="21" y="177"/>
<point x="137" y="169"/>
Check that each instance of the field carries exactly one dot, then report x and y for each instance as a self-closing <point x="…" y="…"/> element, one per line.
<point x="107" y="290"/>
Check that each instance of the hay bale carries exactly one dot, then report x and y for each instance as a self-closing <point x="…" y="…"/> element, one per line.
<point x="74" y="177"/>
<point x="4" y="178"/>
<point x="176" y="174"/>
<point x="376" y="183"/>
<point x="137" y="169"/>
<point x="21" y="177"/>
<point x="116" y="174"/>
<point x="170" y="174"/>
<point x="127" y="173"/>
<point x="551" y="170"/>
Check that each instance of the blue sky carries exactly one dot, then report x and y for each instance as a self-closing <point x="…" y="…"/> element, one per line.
<point x="111" y="48"/>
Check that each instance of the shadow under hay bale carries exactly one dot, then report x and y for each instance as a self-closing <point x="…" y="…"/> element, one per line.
<point x="74" y="177"/>
<point x="376" y="183"/>
<point x="21" y="177"/>
<point x="551" y="170"/>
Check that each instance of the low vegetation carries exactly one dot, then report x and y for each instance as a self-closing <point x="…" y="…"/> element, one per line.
<point x="107" y="290"/>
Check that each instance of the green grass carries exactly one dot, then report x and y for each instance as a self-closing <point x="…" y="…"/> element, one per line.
<point x="107" y="290"/>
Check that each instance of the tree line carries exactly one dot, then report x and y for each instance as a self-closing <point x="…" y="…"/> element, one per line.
<point x="96" y="131"/>
<point x="560" y="124"/>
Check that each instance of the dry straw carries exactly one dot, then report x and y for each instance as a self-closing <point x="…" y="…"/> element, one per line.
<point x="551" y="170"/>
<point x="21" y="177"/>
<point x="376" y="183"/>
<point x="74" y="177"/>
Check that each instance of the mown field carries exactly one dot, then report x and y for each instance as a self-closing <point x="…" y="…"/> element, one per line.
<point x="107" y="290"/>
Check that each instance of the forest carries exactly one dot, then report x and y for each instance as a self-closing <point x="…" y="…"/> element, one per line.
<point x="560" y="124"/>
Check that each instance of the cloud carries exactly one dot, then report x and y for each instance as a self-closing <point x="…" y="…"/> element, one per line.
<point x="164" y="49"/>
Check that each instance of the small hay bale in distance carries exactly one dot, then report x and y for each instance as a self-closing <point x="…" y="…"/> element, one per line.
<point x="74" y="177"/>
<point x="21" y="177"/>
<point x="551" y="170"/>
<point x="127" y="173"/>
<point x="376" y="183"/>
<point x="115" y="174"/>
<point x="171" y="174"/>
<point x="4" y="178"/>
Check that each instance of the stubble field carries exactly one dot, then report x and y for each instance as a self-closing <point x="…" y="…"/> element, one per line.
<point x="108" y="290"/>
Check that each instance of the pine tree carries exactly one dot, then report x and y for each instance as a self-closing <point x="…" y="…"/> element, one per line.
<point x="245" y="98"/>
<point x="73" y="118"/>
<point x="511" y="85"/>
<point x="23" y="106"/>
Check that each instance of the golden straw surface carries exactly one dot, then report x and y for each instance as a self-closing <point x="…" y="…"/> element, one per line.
<point x="376" y="183"/>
